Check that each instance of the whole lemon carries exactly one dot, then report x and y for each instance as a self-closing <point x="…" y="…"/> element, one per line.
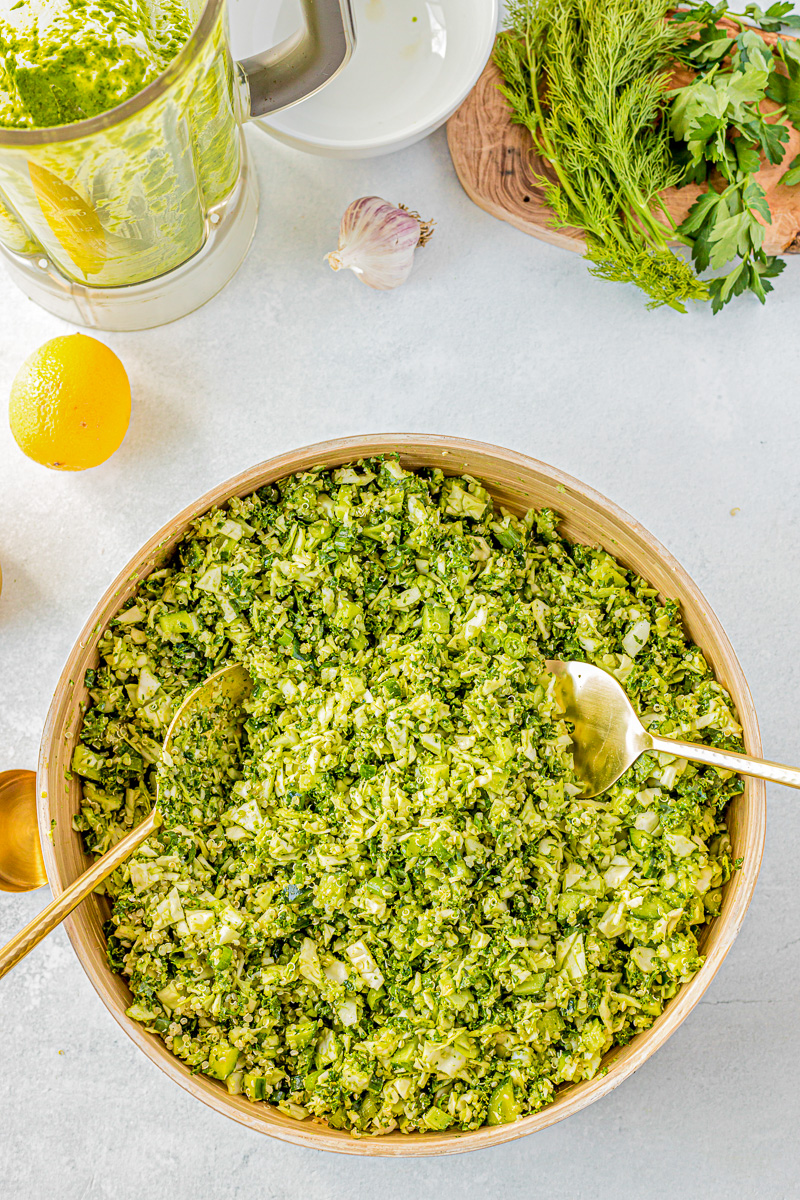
<point x="70" y="403"/>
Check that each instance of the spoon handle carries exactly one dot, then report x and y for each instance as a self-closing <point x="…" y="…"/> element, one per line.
<point x="70" y="898"/>
<point x="729" y="760"/>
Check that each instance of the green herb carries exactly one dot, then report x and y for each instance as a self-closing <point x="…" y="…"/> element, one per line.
<point x="721" y="137"/>
<point x="587" y="78"/>
<point x="590" y="82"/>
<point x="791" y="176"/>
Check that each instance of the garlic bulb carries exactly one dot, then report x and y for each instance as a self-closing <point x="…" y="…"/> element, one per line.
<point x="377" y="241"/>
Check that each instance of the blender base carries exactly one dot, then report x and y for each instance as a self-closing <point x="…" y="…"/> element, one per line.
<point x="156" y="301"/>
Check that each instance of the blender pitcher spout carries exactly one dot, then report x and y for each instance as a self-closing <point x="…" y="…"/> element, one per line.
<point x="304" y="62"/>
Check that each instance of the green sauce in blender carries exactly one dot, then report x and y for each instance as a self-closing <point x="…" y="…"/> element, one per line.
<point x="130" y="200"/>
<point x="63" y="61"/>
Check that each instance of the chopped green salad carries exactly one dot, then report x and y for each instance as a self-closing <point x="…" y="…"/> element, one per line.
<point x="383" y="902"/>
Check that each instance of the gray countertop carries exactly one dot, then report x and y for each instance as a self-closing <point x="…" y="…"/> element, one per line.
<point x="689" y="422"/>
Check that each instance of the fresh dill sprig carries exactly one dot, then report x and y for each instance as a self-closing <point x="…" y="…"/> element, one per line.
<point x="587" y="78"/>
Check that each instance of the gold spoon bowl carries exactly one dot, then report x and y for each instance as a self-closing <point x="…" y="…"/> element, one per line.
<point x="608" y="736"/>
<point x="21" y="862"/>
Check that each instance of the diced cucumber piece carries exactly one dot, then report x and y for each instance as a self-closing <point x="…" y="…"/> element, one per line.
<point x="255" y="1086"/>
<point x="437" y="1118"/>
<point x="551" y="1023"/>
<point x="176" y="623"/>
<point x="222" y="1060"/>
<point x="88" y="763"/>
<point x="532" y="986"/>
<point x="503" y="1106"/>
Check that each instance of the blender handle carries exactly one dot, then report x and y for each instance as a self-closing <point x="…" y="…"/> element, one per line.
<point x="304" y="62"/>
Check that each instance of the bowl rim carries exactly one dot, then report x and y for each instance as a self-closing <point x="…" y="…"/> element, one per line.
<point x="311" y="1134"/>
<point x="400" y="138"/>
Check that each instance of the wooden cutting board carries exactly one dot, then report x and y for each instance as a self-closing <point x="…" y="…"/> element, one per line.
<point x="497" y="166"/>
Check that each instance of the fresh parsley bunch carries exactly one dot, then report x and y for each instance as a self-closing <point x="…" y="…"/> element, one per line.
<point x="720" y="130"/>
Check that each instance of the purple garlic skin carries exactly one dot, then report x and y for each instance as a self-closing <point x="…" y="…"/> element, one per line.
<point x="377" y="241"/>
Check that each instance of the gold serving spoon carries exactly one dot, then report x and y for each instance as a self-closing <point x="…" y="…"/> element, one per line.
<point x="608" y="736"/>
<point x="20" y="854"/>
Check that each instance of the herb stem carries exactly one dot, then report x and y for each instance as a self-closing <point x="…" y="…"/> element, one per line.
<point x="549" y="153"/>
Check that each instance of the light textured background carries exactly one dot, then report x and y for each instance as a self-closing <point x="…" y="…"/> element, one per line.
<point x="680" y="419"/>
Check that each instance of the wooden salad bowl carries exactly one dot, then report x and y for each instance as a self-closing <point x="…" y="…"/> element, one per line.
<point x="518" y="483"/>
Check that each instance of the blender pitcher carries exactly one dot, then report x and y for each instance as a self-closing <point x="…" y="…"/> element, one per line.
<point x="137" y="216"/>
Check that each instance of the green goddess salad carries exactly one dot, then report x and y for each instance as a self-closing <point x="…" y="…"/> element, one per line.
<point x="383" y="901"/>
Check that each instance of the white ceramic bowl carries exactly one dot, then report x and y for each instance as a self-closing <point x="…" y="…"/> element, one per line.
<point x="414" y="62"/>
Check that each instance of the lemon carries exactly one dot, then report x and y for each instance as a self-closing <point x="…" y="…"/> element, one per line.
<point x="70" y="403"/>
